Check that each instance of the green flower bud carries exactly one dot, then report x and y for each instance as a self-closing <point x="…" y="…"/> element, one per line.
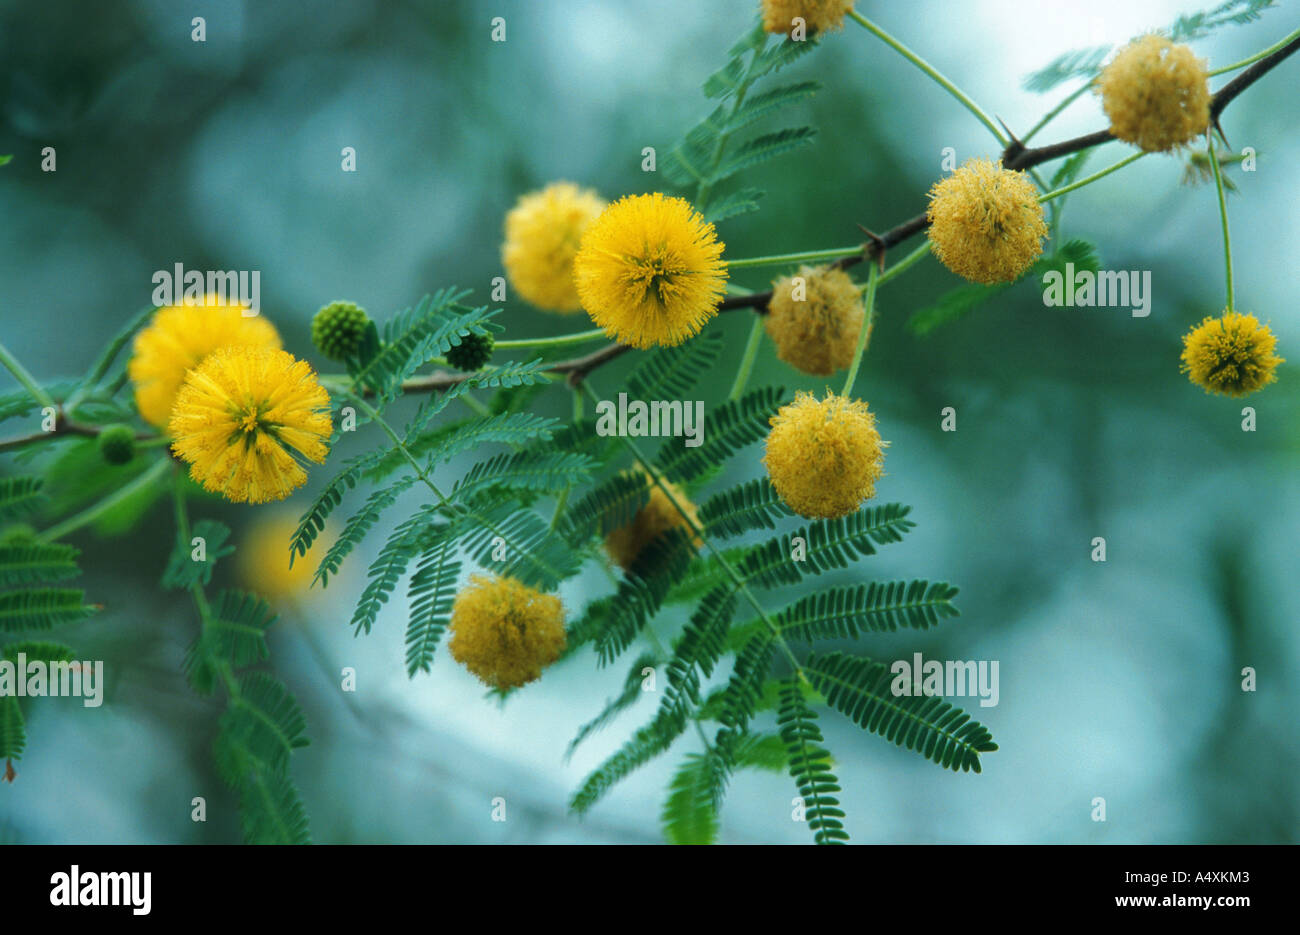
<point x="117" y="444"/>
<point x="473" y="351"/>
<point x="338" y="328"/>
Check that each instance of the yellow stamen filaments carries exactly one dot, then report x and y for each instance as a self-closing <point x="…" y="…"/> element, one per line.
<point x="986" y="223"/>
<point x="824" y="458"/>
<point x="815" y="322"/>
<point x="819" y="15"/>
<point x="243" y="419"/>
<point x="543" y="231"/>
<point x="1233" y="355"/>
<point x="657" y="517"/>
<point x="650" y="271"/>
<point x="178" y="339"/>
<point x="262" y="557"/>
<point x="1156" y="94"/>
<point x="505" y="632"/>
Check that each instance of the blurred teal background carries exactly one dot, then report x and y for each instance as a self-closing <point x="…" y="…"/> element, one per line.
<point x="1118" y="680"/>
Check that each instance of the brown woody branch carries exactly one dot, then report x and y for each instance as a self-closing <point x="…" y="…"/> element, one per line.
<point x="1018" y="156"/>
<point x="576" y="369"/>
<point x="62" y="426"/>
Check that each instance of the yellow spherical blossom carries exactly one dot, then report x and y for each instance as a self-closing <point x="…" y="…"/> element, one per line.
<point x="820" y="15"/>
<point x="1156" y="94"/>
<point x="505" y="632"/>
<point x="243" y="419"/>
<point x="177" y="339"/>
<point x="650" y="271"/>
<point x="815" y="323"/>
<point x="262" y="557"/>
<point x="1233" y="355"/>
<point x="652" y="520"/>
<point x="986" y="223"/>
<point x="543" y="231"/>
<point x="824" y="457"/>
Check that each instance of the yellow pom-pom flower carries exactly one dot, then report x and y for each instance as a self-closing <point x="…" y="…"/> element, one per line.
<point x="243" y="419"/>
<point x="651" y="521"/>
<point x="650" y="271"/>
<point x="1156" y="94"/>
<point x="986" y="223"/>
<point x="543" y="231"/>
<point x="820" y="15"/>
<point x="262" y="557"/>
<point x="824" y="457"/>
<point x="1232" y="355"/>
<point x="178" y="339"/>
<point x="815" y="323"/>
<point x="505" y="632"/>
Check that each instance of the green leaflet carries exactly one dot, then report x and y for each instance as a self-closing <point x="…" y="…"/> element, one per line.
<point x="939" y="731"/>
<point x="810" y="766"/>
<point x="432" y="589"/>
<point x="185" y="567"/>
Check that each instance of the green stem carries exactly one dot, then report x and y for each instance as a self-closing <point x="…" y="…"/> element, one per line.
<point x="560" y="503"/>
<point x="420" y="472"/>
<point x="578" y="337"/>
<point x="808" y="256"/>
<point x="26" y="379"/>
<point x="1048" y="196"/>
<point x="931" y="71"/>
<point x="107" y="357"/>
<point x="181" y="507"/>
<point x="747" y="360"/>
<point x="1290" y="37"/>
<point x="1223" y="217"/>
<point x="1055" y="111"/>
<point x="868" y="318"/>
<point x="396" y="439"/>
<point x="904" y="264"/>
<point x="705" y="187"/>
<point x="96" y="510"/>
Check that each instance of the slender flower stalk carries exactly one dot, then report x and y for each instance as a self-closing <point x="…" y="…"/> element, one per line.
<point x="868" y="319"/>
<point x="93" y="512"/>
<point x="1223" y="218"/>
<point x="1290" y="37"/>
<point x="1074" y="186"/>
<point x="748" y="358"/>
<point x="808" y="256"/>
<point x="26" y="379"/>
<point x="932" y="72"/>
<point x="560" y="340"/>
<point x="1056" y="111"/>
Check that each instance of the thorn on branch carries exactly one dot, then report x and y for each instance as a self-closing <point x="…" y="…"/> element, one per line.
<point x="877" y="248"/>
<point x="1013" y="148"/>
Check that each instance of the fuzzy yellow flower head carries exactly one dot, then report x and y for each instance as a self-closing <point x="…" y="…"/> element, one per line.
<point x="1233" y="355"/>
<point x="986" y="224"/>
<point x="262" y="558"/>
<point x="652" y="520"/>
<point x="814" y="318"/>
<point x="824" y="457"/>
<point x="650" y="271"/>
<point x="505" y="632"/>
<point x="1156" y="94"/>
<point x="543" y="231"/>
<point x="243" y="420"/>
<point x="819" y="15"/>
<point x="177" y="339"/>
